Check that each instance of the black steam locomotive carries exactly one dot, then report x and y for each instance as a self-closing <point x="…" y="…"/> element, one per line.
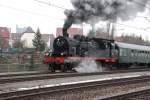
<point x="68" y="52"/>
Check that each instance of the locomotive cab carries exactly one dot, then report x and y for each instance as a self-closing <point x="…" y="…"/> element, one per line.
<point x="106" y="52"/>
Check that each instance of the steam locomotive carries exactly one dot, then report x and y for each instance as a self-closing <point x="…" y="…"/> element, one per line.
<point x="69" y="52"/>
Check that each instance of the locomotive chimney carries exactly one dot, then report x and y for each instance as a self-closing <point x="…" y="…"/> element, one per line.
<point x="65" y="34"/>
<point x="67" y="25"/>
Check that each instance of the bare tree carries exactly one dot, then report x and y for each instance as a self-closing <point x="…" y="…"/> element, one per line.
<point x="18" y="44"/>
<point x="1" y="42"/>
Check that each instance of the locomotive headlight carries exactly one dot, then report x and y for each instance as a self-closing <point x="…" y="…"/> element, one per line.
<point x="62" y="54"/>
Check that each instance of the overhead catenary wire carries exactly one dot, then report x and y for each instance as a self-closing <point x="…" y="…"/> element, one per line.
<point x="145" y="17"/>
<point x="29" y="12"/>
<point x="133" y="27"/>
<point x="50" y="4"/>
<point x="140" y="3"/>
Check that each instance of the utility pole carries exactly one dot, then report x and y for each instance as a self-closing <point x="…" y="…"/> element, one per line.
<point x="108" y="29"/>
<point x="111" y="30"/>
<point x="93" y="30"/>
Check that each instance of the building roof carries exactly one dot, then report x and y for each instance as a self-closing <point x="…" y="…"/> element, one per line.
<point x="29" y="30"/>
<point x="4" y="32"/>
<point x="133" y="46"/>
<point x="71" y="31"/>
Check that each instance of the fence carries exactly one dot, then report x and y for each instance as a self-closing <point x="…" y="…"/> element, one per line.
<point x="10" y="62"/>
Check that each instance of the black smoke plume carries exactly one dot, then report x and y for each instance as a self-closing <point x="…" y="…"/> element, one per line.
<point x="93" y="11"/>
<point x="67" y="24"/>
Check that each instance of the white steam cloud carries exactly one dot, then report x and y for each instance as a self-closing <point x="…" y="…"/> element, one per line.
<point x="88" y="66"/>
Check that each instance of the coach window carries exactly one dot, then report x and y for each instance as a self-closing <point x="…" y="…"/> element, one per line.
<point x="121" y="52"/>
<point x="140" y="53"/>
<point x="143" y="53"/>
<point x="137" y="53"/>
<point x="124" y="52"/>
<point x="132" y="53"/>
<point x="146" y="53"/>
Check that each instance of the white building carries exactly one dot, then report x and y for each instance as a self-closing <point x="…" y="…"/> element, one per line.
<point x="27" y="38"/>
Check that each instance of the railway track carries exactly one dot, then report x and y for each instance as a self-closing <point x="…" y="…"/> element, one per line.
<point x="12" y="74"/>
<point x="71" y="87"/>
<point x="134" y="95"/>
<point x="12" y="78"/>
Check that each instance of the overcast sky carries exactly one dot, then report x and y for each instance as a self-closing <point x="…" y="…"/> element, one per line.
<point x="47" y="17"/>
<point x="32" y="13"/>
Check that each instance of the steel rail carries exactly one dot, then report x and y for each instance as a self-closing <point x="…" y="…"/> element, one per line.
<point x="46" y="75"/>
<point x="129" y="96"/>
<point x="71" y="87"/>
<point x="13" y="74"/>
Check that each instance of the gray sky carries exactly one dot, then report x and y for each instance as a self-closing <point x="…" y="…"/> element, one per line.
<point x="32" y="13"/>
<point x="48" y="18"/>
